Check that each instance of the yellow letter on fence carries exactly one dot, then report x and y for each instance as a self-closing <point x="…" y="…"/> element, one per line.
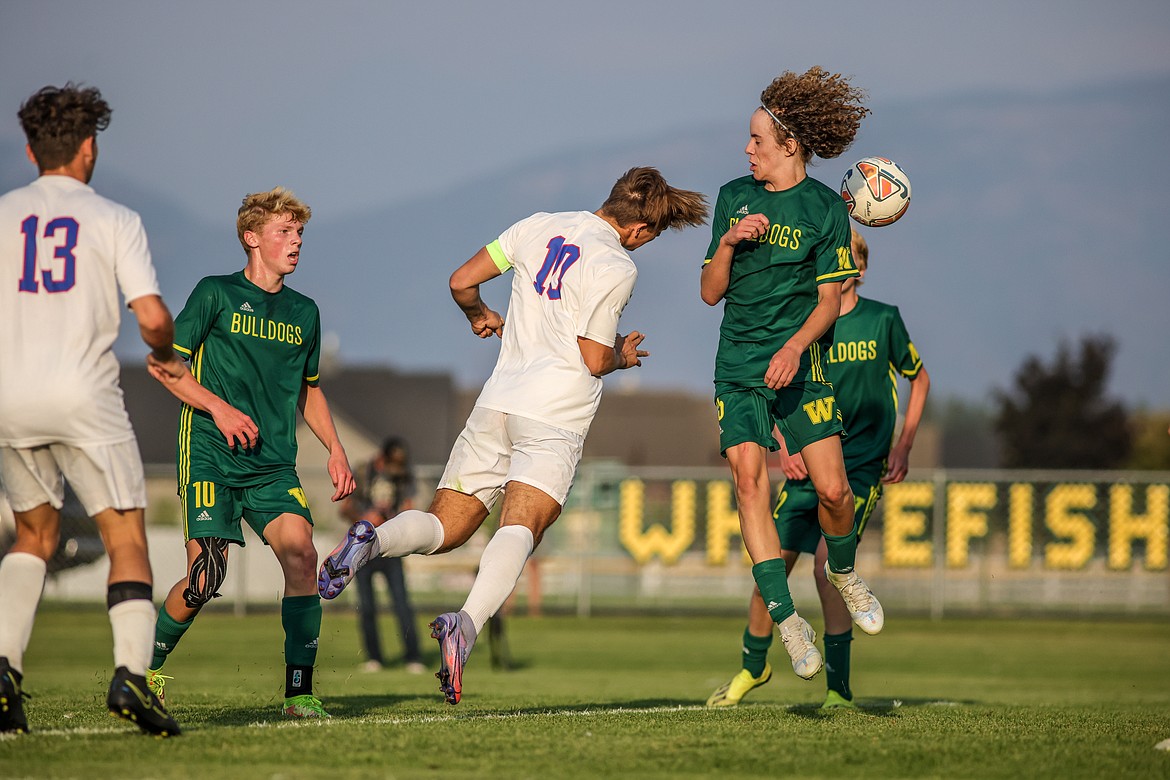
<point x="722" y="522"/>
<point x="904" y="525"/>
<point x="1020" y="498"/>
<point x="967" y="507"/>
<point x="1125" y="526"/>
<point x="1065" y="518"/>
<point x="656" y="540"/>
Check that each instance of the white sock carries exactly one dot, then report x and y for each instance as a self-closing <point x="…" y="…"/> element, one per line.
<point x="133" y="624"/>
<point x="410" y="532"/>
<point x="22" y="579"/>
<point x="499" y="568"/>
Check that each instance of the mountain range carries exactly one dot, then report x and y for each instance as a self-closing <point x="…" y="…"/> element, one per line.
<point x="1034" y="219"/>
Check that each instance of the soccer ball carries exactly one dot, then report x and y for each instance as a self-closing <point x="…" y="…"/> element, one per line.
<point x="876" y="191"/>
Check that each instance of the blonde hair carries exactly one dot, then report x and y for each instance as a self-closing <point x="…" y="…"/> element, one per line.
<point x="642" y="195"/>
<point x="260" y="208"/>
<point x="859" y="248"/>
<point x="822" y="111"/>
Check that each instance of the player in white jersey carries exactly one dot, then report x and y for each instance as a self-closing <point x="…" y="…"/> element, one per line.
<point x="573" y="277"/>
<point x="65" y="253"/>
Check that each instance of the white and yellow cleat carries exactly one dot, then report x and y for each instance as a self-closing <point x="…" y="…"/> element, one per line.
<point x="863" y="606"/>
<point x="730" y="693"/>
<point x="800" y="642"/>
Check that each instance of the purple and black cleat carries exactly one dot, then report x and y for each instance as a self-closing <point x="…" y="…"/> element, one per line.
<point x="359" y="545"/>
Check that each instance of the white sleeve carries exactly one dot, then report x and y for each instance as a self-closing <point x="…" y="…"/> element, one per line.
<point x="604" y="302"/>
<point x="511" y="241"/>
<point x="132" y="262"/>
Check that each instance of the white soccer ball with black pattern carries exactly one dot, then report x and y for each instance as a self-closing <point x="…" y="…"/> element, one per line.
<point x="876" y="191"/>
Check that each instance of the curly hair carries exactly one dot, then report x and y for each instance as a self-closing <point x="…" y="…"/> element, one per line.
<point x="57" y="119"/>
<point x="822" y="111"/>
<point x="642" y="195"/>
<point x="259" y="208"/>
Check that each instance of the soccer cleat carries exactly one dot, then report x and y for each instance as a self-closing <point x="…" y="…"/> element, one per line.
<point x="304" y="706"/>
<point x="453" y="652"/>
<point x="130" y="699"/>
<point x="835" y="701"/>
<point x="799" y="640"/>
<point x="12" y="718"/>
<point x="359" y="545"/>
<point x="863" y="606"/>
<point x="729" y="694"/>
<point x="156" y="680"/>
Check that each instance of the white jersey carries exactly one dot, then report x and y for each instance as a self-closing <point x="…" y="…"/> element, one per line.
<point x="572" y="278"/>
<point x="65" y="252"/>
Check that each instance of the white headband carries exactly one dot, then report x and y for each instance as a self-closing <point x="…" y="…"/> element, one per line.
<point x="783" y="126"/>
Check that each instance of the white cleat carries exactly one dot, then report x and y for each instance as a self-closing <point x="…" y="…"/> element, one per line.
<point x="863" y="606"/>
<point x="800" y="642"/>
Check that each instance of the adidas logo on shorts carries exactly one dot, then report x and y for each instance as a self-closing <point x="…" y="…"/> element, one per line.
<point x="203" y="515"/>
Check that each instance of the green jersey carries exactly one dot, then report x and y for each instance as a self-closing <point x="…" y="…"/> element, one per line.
<point x="870" y="348"/>
<point x="772" y="289"/>
<point x="255" y="350"/>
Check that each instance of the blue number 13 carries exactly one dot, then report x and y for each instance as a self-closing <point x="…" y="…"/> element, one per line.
<point x="559" y="259"/>
<point x="28" y="280"/>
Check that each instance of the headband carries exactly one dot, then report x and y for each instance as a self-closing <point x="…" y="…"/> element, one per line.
<point x="785" y="128"/>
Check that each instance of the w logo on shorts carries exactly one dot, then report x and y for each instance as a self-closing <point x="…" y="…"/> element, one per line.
<point x="820" y="410"/>
<point x="299" y="495"/>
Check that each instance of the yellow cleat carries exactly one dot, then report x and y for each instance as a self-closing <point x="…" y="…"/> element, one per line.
<point x="729" y="694"/>
<point x="835" y="701"/>
<point x="155" y="680"/>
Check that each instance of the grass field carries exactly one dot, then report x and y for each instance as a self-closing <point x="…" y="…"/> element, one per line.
<point x="617" y="696"/>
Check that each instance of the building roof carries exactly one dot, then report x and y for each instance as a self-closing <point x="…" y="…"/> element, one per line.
<point x="644" y="428"/>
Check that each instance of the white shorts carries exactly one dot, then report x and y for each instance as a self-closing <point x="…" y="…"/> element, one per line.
<point x="103" y="476"/>
<point x="496" y="448"/>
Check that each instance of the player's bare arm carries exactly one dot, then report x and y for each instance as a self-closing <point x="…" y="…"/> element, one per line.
<point x="717" y="273"/>
<point x="899" y="459"/>
<point x="602" y="360"/>
<point x="315" y="409"/>
<point x="784" y="364"/>
<point x="156" y="326"/>
<point x="465" y="284"/>
<point x="237" y="428"/>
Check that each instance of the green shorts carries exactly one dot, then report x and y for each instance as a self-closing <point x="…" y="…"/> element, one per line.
<point x="796" y="513"/>
<point x="215" y="510"/>
<point x="804" y="412"/>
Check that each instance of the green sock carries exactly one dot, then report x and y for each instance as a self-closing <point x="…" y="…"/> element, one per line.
<point x="772" y="580"/>
<point x="301" y="618"/>
<point x="837" y="663"/>
<point x="842" y="551"/>
<point x="167" y="633"/>
<point x="755" y="652"/>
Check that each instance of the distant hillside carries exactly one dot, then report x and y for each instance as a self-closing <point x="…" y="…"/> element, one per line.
<point x="1033" y="219"/>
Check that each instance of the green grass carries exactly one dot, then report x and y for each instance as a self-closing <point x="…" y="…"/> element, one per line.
<point x="618" y="697"/>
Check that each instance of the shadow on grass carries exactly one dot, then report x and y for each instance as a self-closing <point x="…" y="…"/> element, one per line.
<point x="197" y="716"/>
<point x="880" y="708"/>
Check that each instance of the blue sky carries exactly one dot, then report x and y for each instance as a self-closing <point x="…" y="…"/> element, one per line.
<point x="368" y="107"/>
<point x="374" y="102"/>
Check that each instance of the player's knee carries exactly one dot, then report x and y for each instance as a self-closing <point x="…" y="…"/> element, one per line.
<point x="836" y="496"/>
<point x="299" y="560"/>
<point x="208" y="571"/>
<point x="749" y="492"/>
<point x="39" y="540"/>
